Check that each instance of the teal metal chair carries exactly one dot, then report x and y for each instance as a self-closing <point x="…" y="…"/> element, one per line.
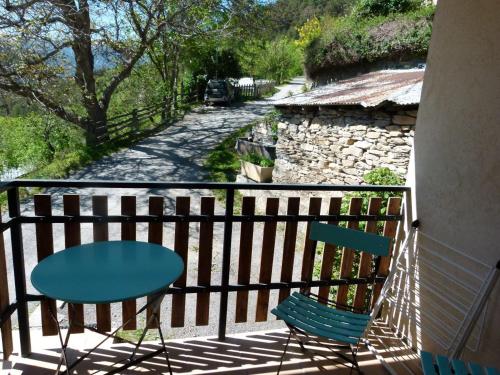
<point x="442" y="365"/>
<point x="309" y="315"/>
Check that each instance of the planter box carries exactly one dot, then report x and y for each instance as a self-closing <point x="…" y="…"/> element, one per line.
<point x="256" y="173"/>
<point x="244" y="146"/>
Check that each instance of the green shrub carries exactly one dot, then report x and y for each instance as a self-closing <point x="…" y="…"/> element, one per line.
<point x="377" y="176"/>
<point x="33" y="141"/>
<point x="369" y="8"/>
<point x="257" y="159"/>
<point x="382" y="176"/>
<point x="352" y="40"/>
<point x="279" y="60"/>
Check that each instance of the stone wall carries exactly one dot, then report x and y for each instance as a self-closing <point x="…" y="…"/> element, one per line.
<point x="339" y="146"/>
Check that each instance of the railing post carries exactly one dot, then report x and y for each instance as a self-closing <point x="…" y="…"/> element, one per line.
<point x="135" y="122"/>
<point x="16" y="236"/>
<point x="226" y="262"/>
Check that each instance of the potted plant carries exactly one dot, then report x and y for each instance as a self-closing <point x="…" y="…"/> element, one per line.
<point x="257" y="167"/>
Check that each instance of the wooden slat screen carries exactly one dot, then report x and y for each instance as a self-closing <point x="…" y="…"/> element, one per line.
<point x="44" y="248"/>
<point x="289" y="243"/>
<point x="329" y="251"/>
<point x="101" y="233"/>
<point x="390" y="227"/>
<point x="128" y="232"/>
<point x="267" y="257"/>
<point x="182" y="205"/>
<point x="348" y="254"/>
<point x="6" y="328"/>
<point x="312" y="265"/>
<point x="245" y="259"/>
<point x="365" y="264"/>
<point x="205" y="261"/>
<point x="155" y="235"/>
<point x="310" y="246"/>
<point x="72" y="237"/>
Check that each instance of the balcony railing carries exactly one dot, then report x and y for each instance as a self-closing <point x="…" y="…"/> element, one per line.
<point x="237" y="214"/>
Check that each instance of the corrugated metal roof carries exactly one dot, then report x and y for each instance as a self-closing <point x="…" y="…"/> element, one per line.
<point x="401" y="87"/>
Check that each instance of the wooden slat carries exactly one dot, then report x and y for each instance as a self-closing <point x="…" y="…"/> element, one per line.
<point x="101" y="233"/>
<point x="329" y="250"/>
<point x="128" y="232"/>
<point x="6" y="329"/>
<point x="365" y="263"/>
<point x="44" y="248"/>
<point x="289" y="244"/>
<point x="309" y="245"/>
<point x="245" y="259"/>
<point x="155" y="235"/>
<point x="205" y="261"/>
<point x="181" y="247"/>
<point x="390" y="228"/>
<point x="266" y="264"/>
<point x="348" y="254"/>
<point x="72" y="237"/>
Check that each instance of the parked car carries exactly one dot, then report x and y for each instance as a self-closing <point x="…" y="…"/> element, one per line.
<point x="219" y="91"/>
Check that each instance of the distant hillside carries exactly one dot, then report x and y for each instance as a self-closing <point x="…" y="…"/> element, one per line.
<point x="288" y="15"/>
<point x="352" y="43"/>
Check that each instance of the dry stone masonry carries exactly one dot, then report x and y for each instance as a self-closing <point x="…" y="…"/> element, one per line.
<point x="339" y="145"/>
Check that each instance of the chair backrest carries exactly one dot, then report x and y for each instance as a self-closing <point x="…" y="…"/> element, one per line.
<point x="350" y="238"/>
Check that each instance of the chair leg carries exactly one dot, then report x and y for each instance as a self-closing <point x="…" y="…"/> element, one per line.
<point x="355" y="359"/>
<point x="297" y="338"/>
<point x="284" y="352"/>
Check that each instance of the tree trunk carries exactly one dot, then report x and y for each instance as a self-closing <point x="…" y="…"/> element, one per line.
<point x="166" y="109"/>
<point x="96" y="127"/>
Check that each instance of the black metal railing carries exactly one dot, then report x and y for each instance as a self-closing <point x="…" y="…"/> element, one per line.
<point x="16" y="218"/>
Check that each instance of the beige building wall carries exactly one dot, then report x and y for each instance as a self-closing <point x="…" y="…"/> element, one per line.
<point x="457" y="145"/>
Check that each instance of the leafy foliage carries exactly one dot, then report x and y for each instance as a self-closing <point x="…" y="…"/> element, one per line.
<point x="309" y="31"/>
<point x="35" y="140"/>
<point x="257" y="159"/>
<point x="286" y="16"/>
<point x="351" y="40"/>
<point x="377" y="176"/>
<point x="370" y="8"/>
<point x="279" y="60"/>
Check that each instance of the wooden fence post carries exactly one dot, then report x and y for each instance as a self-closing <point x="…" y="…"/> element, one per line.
<point x="135" y="121"/>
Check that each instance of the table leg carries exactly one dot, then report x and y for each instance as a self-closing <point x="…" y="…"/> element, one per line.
<point x="154" y="303"/>
<point x="64" y="344"/>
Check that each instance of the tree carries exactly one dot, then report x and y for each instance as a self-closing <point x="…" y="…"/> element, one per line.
<point x="200" y="45"/>
<point x="280" y="59"/>
<point x="49" y="48"/>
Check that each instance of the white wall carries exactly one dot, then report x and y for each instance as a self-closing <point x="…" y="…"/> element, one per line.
<point x="457" y="142"/>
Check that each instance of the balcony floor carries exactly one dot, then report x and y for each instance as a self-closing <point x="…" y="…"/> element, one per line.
<point x="248" y="353"/>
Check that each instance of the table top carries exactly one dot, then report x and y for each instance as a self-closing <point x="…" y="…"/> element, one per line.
<point x="108" y="271"/>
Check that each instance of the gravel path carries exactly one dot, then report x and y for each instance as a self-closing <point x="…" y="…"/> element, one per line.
<point x="175" y="154"/>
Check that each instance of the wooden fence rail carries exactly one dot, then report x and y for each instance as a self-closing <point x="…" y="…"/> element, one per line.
<point x="254" y="91"/>
<point x="276" y="268"/>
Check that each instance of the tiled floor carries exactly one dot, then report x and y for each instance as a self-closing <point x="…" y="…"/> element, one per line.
<point x="249" y="353"/>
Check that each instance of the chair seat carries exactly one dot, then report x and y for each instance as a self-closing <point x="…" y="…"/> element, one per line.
<point x="444" y="366"/>
<point x="317" y="319"/>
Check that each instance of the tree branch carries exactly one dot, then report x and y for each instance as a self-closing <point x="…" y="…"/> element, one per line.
<point x="37" y="95"/>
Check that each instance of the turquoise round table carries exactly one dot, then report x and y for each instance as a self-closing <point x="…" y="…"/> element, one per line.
<point x="105" y="272"/>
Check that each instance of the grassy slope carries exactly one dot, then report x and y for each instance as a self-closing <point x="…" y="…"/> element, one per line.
<point x="350" y="41"/>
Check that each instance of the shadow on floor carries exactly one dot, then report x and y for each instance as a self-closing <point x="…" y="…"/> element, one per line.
<point x="240" y="354"/>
